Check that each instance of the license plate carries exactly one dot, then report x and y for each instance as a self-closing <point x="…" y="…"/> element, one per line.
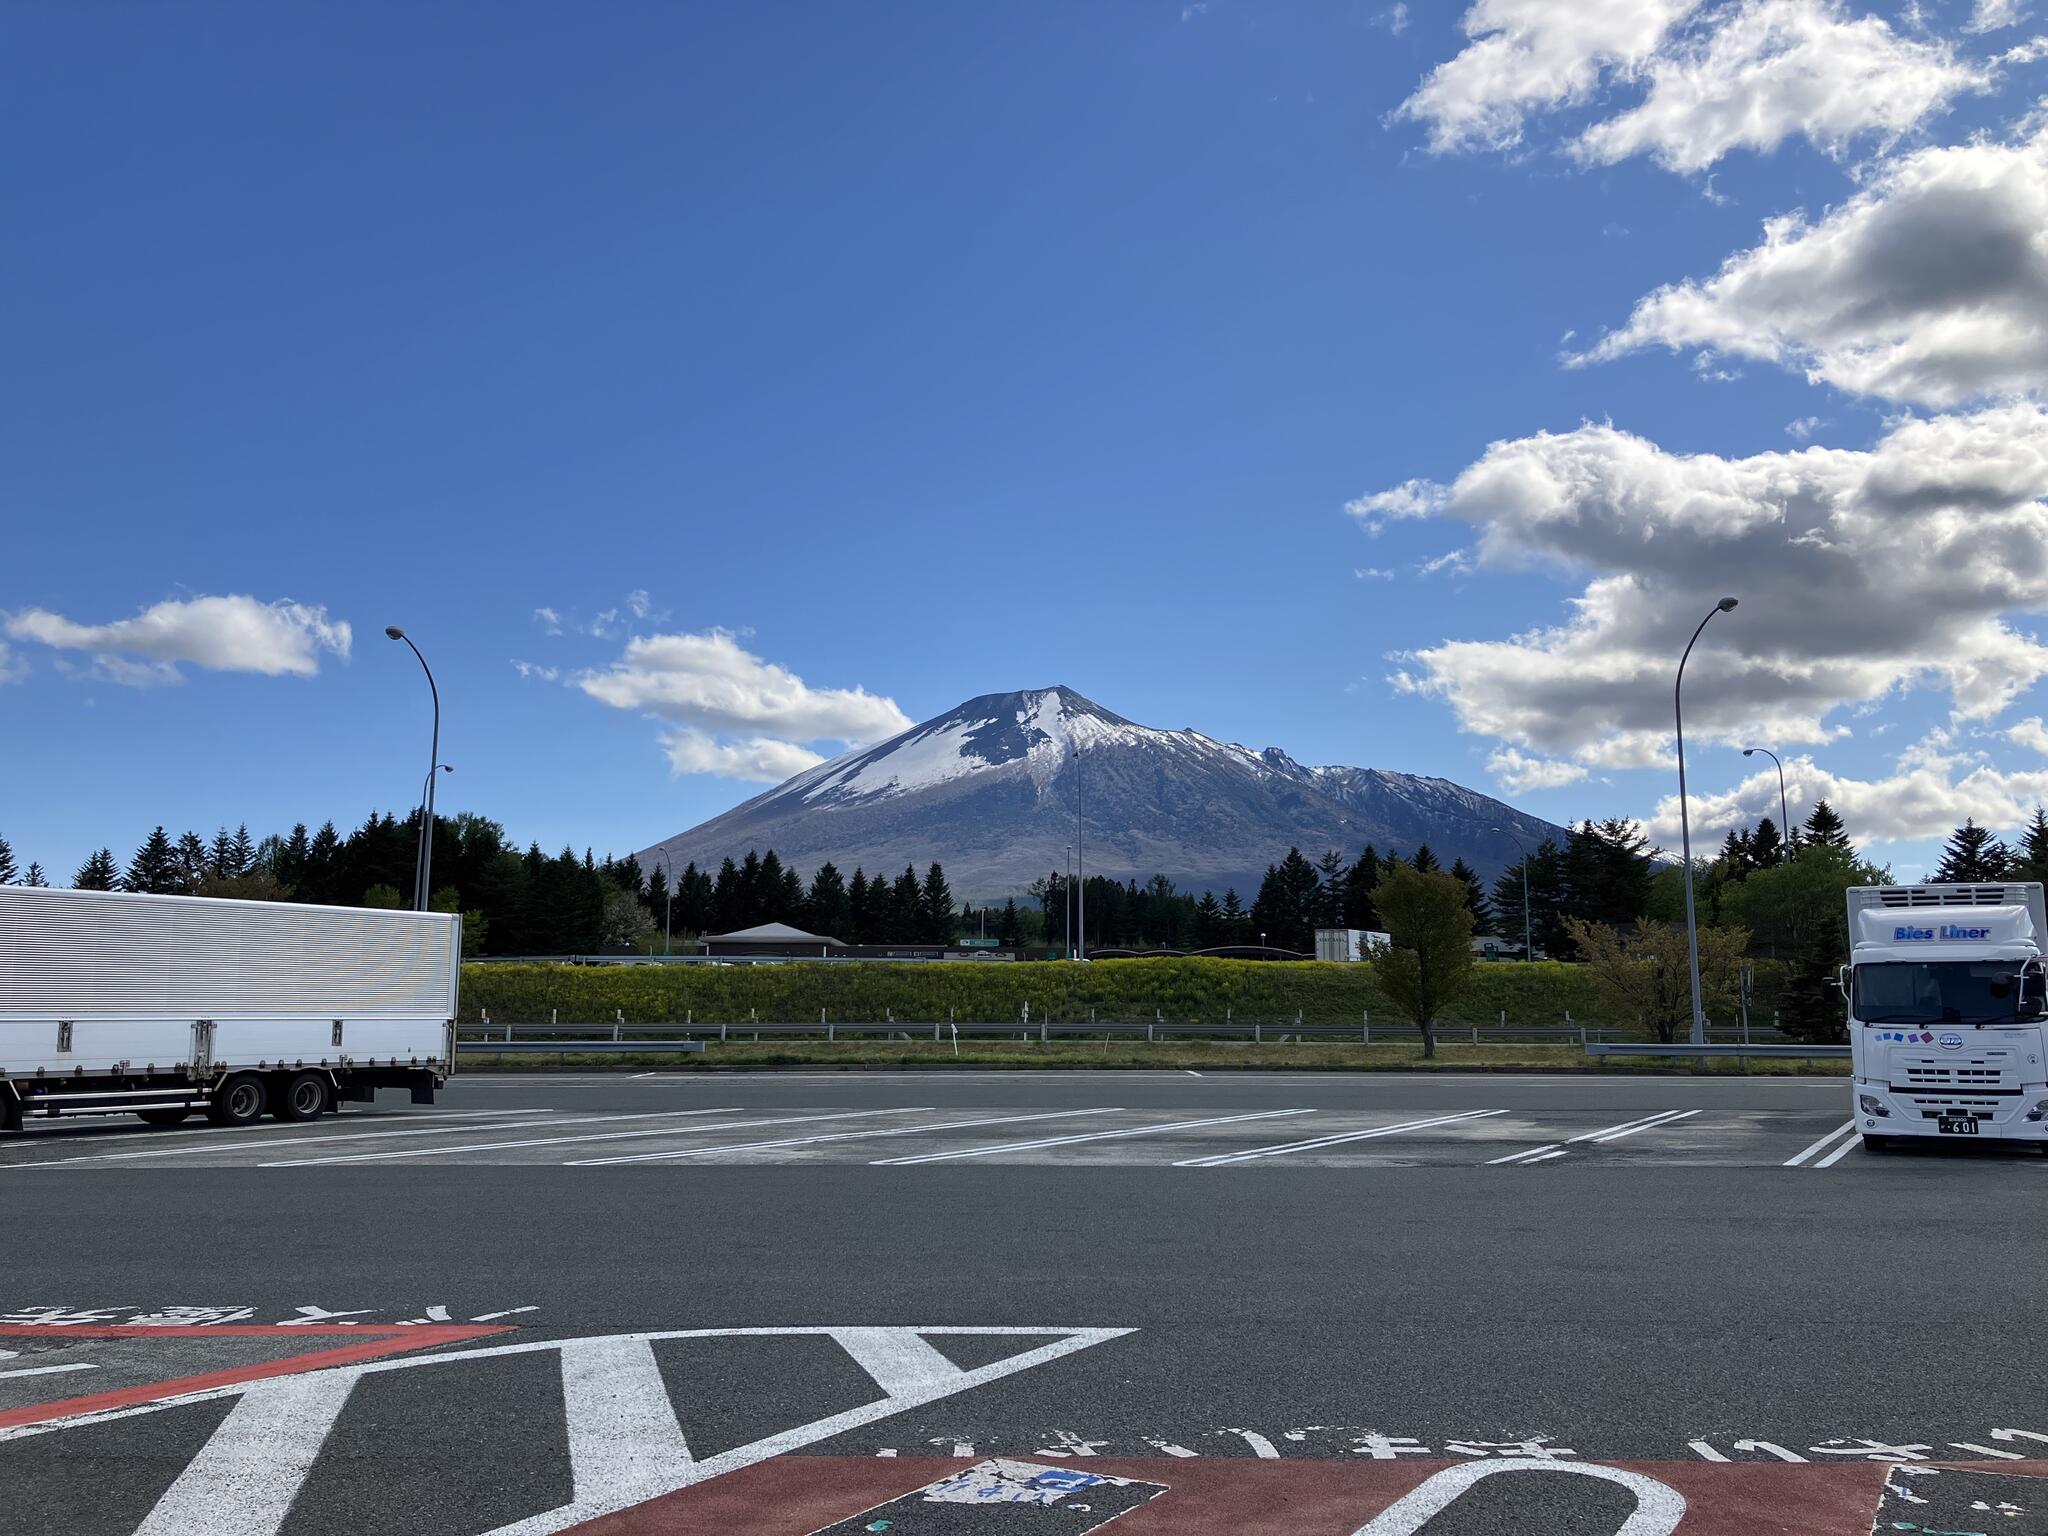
<point x="1963" y="1125"/>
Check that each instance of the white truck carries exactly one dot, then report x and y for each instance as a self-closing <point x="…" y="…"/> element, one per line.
<point x="158" y="1006"/>
<point x="1947" y="991"/>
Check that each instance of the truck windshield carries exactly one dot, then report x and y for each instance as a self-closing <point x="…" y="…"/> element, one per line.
<point x="1939" y="992"/>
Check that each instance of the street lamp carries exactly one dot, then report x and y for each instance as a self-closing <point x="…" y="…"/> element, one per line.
<point x="423" y="864"/>
<point x="1080" y="870"/>
<point x="1784" y="815"/>
<point x="1067" y="902"/>
<point x="1528" y="945"/>
<point x="1692" y="932"/>
<point x="668" y="886"/>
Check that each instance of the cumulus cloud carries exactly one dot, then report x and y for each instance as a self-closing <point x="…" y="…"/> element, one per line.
<point x="1993" y="15"/>
<point x="736" y="711"/>
<point x="1741" y="76"/>
<point x="760" y="759"/>
<point x="1930" y="794"/>
<point x="1930" y="285"/>
<point x="1528" y="56"/>
<point x="1860" y="572"/>
<point x="1769" y="70"/>
<point x="1516" y="772"/>
<point x="2029" y="732"/>
<point x="221" y="634"/>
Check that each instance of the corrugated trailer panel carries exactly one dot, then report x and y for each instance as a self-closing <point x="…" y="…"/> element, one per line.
<point x="109" y="955"/>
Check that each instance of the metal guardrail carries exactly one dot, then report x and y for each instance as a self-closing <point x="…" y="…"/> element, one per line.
<point x="579" y="1047"/>
<point x="485" y="1037"/>
<point x="1685" y="1048"/>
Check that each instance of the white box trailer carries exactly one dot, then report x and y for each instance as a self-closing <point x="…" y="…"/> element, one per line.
<point x="1342" y="944"/>
<point x="1948" y="1011"/>
<point x="162" y="1005"/>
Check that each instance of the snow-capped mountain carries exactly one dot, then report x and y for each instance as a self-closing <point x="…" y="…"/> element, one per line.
<point x="989" y="790"/>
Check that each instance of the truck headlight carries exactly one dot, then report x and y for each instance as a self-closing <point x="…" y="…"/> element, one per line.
<point x="2039" y="1111"/>
<point x="1870" y="1105"/>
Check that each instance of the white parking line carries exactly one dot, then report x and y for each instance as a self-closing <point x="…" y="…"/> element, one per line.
<point x="1547" y="1156"/>
<point x="45" y="1370"/>
<point x="1797" y="1158"/>
<point x="1849" y="1144"/>
<point x="803" y="1141"/>
<point x="59" y="1141"/>
<point x="1221" y="1159"/>
<point x="1067" y="1141"/>
<point x="556" y="1141"/>
<point x="1523" y="1156"/>
<point x="1651" y="1123"/>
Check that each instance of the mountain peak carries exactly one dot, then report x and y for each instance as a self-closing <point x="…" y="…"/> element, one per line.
<point x="991" y="789"/>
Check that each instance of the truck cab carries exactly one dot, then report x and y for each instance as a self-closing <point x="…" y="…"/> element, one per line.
<point x="1947" y="992"/>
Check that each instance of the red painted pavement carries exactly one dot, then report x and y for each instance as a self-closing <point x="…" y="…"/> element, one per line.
<point x="367" y="1343"/>
<point x="1232" y="1497"/>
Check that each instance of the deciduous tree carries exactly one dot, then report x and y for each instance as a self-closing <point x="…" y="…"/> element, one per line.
<point x="1428" y="961"/>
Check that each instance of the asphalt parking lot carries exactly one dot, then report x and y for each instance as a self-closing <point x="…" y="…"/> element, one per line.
<point x="779" y="1302"/>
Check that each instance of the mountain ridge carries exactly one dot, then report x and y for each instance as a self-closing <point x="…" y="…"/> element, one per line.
<point x="989" y="789"/>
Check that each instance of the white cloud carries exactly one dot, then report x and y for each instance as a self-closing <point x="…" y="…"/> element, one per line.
<point x="1926" y="797"/>
<point x="1517" y="773"/>
<point x="1992" y="15"/>
<point x="736" y="711"/>
<point x="12" y="668"/>
<point x="1769" y="70"/>
<point x="222" y="634"/>
<point x="1860" y="574"/>
<point x="2029" y="732"/>
<point x="1373" y="573"/>
<point x="1803" y="428"/>
<point x="1747" y="75"/>
<point x="550" y="622"/>
<point x="1929" y="285"/>
<point x="760" y="759"/>
<point x="638" y="603"/>
<point x="535" y="669"/>
<point x="1394" y="18"/>
<point x="1456" y="561"/>
<point x="1529" y="56"/>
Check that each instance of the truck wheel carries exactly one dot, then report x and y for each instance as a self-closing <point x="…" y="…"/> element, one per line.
<point x="165" y="1116"/>
<point x="238" y="1101"/>
<point x="1878" y="1143"/>
<point x="304" y="1098"/>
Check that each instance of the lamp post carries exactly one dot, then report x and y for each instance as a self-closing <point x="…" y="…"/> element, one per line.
<point x="1692" y="932"/>
<point x="423" y="864"/>
<point x="1067" y="902"/>
<point x="1784" y="814"/>
<point x="668" y="911"/>
<point x="1528" y="945"/>
<point x="1080" y="871"/>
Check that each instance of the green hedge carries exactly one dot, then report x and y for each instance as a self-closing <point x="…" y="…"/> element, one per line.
<point x="1187" y="989"/>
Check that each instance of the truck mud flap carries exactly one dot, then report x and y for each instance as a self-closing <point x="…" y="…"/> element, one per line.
<point x="10" y="1108"/>
<point x="423" y="1093"/>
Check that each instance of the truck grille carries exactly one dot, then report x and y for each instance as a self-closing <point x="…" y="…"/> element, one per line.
<point x="1992" y="1078"/>
<point x="1951" y="895"/>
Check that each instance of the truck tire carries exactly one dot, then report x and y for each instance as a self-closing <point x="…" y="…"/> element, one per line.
<point x="240" y="1100"/>
<point x="303" y="1097"/>
<point x="165" y="1116"/>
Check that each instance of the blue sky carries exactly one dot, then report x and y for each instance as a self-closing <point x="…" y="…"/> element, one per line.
<point x="707" y="387"/>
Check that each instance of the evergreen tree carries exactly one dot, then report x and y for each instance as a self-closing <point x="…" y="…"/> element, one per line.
<point x="2031" y="857"/>
<point x="1737" y="857"/>
<point x="7" y="871"/>
<point x="193" y="862"/>
<point x="1284" y="910"/>
<point x="774" y="893"/>
<point x="220" y="856"/>
<point x="35" y="876"/>
<point x="1824" y="829"/>
<point x="727" y="899"/>
<point x="1208" y="923"/>
<point x="860" y="908"/>
<point x="1767" y="845"/>
<point x="906" y="909"/>
<point x="694" y="901"/>
<point x="1475" y="895"/>
<point x="293" y="858"/>
<point x="1010" y="927"/>
<point x="1236" y="921"/>
<point x="1359" y="911"/>
<point x="244" y="849"/>
<point x="98" y="873"/>
<point x="748" y="905"/>
<point x="323" y="872"/>
<point x="1331" y="875"/>
<point x="935" y="907"/>
<point x="1971" y="855"/>
<point x="826" y="908"/>
<point x="1606" y="873"/>
<point x="155" y="870"/>
<point x="1425" y="862"/>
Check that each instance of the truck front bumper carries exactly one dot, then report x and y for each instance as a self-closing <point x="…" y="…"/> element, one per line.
<point x="1882" y="1111"/>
